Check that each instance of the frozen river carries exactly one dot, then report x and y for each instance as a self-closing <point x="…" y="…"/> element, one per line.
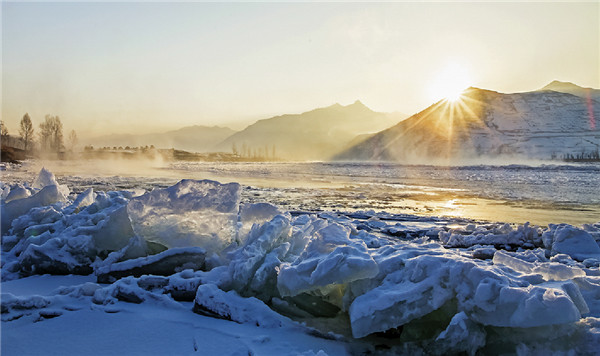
<point x="516" y="193"/>
<point x="191" y="266"/>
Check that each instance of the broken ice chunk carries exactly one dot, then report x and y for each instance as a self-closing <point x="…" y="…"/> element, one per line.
<point x="212" y="301"/>
<point x="46" y="178"/>
<point x="577" y="243"/>
<point x="164" y="264"/>
<point x="84" y="199"/>
<point x="114" y="231"/>
<point x="461" y="335"/>
<point x="409" y="293"/>
<point x="521" y="307"/>
<point x="257" y="213"/>
<point x="189" y="213"/>
<point x="254" y="265"/>
<point x="16" y="193"/>
<point x="330" y="258"/>
<point x="12" y="210"/>
<point x="550" y="271"/>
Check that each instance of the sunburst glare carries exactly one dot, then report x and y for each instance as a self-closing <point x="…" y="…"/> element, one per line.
<point x="450" y="82"/>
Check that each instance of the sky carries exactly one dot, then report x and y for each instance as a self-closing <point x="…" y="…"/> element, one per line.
<point x="141" y="67"/>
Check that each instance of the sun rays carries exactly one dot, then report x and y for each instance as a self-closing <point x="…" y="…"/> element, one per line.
<point x="442" y="130"/>
<point x="450" y="81"/>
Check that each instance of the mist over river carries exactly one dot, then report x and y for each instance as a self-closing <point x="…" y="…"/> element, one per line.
<point x="540" y="194"/>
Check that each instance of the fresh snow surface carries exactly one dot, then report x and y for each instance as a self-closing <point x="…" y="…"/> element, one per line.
<point x="189" y="269"/>
<point x="42" y="284"/>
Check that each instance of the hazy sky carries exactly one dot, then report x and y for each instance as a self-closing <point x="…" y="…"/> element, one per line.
<point x="142" y="67"/>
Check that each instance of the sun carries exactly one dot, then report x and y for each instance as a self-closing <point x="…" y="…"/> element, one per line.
<point x="450" y="82"/>
<point x="454" y="94"/>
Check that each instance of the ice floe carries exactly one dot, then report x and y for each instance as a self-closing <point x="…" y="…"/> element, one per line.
<point x="190" y="213"/>
<point x="359" y="278"/>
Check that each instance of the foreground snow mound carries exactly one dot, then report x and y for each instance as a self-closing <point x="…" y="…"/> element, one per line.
<point x="190" y="213"/>
<point x="569" y="240"/>
<point x="212" y="301"/>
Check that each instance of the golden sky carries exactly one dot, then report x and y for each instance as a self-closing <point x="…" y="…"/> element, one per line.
<point x="144" y="67"/>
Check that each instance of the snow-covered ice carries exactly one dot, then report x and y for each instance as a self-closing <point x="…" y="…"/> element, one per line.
<point x="191" y="268"/>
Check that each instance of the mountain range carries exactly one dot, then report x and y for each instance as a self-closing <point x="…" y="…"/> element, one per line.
<point x="313" y="135"/>
<point x="558" y="121"/>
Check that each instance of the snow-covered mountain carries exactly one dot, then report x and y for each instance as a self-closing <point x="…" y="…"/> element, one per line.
<point x="570" y="88"/>
<point x="313" y="135"/>
<point x="190" y="138"/>
<point x="540" y="125"/>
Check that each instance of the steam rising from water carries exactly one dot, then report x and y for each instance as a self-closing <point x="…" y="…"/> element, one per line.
<point x="536" y="192"/>
<point x="139" y="167"/>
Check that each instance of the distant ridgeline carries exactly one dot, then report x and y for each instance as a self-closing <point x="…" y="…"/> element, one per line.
<point x="314" y="135"/>
<point x="560" y="121"/>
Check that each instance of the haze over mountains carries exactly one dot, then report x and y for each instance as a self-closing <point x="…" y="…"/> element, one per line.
<point x="541" y="124"/>
<point x="559" y="120"/>
<point x="313" y="135"/>
<point x="191" y="138"/>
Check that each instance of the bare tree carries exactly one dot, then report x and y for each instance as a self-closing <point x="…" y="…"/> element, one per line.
<point x="45" y="135"/>
<point x="51" y="136"/>
<point x="73" y="140"/>
<point x="26" y="131"/>
<point x="3" y="130"/>
<point x="234" y="149"/>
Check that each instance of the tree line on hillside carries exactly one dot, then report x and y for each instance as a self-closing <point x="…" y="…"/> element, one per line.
<point x="583" y="156"/>
<point x="119" y="148"/>
<point x="263" y="153"/>
<point x="49" y="139"/>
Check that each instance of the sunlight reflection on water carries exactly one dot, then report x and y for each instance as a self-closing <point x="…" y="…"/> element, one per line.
<point x="541" y="195"/>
